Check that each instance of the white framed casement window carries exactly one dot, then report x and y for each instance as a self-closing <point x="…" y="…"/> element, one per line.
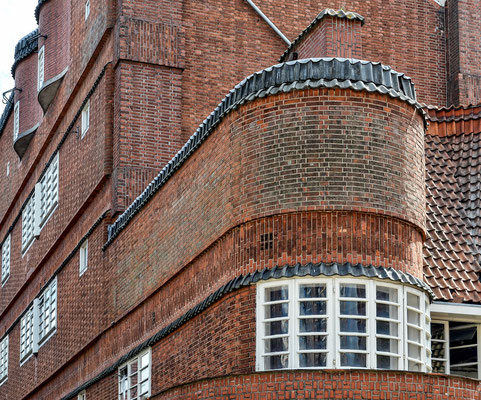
<point x="82" y="395"/>
<point x="85" y="119"/>
<point x="16" y="120"/>
<point x="135" y="377"/>
<point x="87" y="9"/>
<point x="41" y="67"/>
<point x="28" y="223"/>
<point x="4" y="360"/>
<point x="6" y="259"/>
<point x="340" y="323"/>
<point x="46" y="194"/>
<point x="26" y="335"/>
<point x="84" y="253"/>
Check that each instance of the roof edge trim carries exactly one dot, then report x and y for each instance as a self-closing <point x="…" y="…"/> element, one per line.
<point x="25" y="46"/>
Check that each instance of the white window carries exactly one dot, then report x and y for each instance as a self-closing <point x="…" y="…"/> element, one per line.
<point x="456" y="348"/>
<point x="16" y="120"/>
<point x="6" y="259"/>
<point x="134" y="378"/>
<point x="85" y="119"/>
<point x="341" y="323"/>
<point x="26" y="335"/>
<point x="41" y="67"/>
<point x="39" y="322"/>
<point x="47" y="193"/>
<point x="84" y="252"/>
<point x="87" y="9"/>
<point x="28" y="223"/>
<point x="4" y="360"/>
<point x="82" y="396"/>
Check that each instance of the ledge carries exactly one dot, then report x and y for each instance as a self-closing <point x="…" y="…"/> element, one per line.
<point x="328" y="12"/>
<point x="281" y="78"/>
<point x="23" y="140"/>
<point x="47" y="92"/>
<point x="25" y="46"/>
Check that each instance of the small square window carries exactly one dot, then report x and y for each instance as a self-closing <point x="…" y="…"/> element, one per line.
<point x="84" y="252"/>
<point x="85" y="119"/>
<point x="87" y="9"/>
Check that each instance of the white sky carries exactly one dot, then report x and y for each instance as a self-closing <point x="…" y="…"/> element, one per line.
<point x="16" y="20"/>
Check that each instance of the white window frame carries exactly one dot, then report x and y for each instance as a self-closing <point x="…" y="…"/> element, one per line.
<point x="125" y="394"/>
<point x="85" y="119"/>
<point x="36" y="316"/>
<point x="28" y="224"/>
<point x="6" y="255"/>
<point x="16" y="120"/>
<point x="333" y="317"/>
<point x="83" y="257"/>
<point x="87" y="9"/>
<point x="4" y="360"/>
<point x="41" y="68"/>
<point x="46" y="194"/>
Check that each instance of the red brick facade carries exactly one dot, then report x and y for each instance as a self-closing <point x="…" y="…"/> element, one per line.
<point x="311" y="170"/>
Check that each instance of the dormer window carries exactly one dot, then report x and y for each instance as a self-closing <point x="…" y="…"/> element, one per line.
<point x="41" y="67"/>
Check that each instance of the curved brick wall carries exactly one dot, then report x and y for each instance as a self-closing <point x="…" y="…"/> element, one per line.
<point x="26" y="79"/>
<point x="54" y="22"/>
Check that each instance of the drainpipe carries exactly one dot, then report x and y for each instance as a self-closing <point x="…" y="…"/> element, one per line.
<point x="269" y="22"/>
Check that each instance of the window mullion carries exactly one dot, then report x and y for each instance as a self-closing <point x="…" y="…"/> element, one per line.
<point x="36" y="325"/>
<point x="293" y="343"/>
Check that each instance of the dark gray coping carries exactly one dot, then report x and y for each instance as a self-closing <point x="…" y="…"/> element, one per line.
<point x="328" y="12"/>
<point x="47" y="92"/>
<point x="281" y="78"/>
<point x="23" y="140"/>
<point x="6" y="113"/>
<point x="25" y="46"/>
<point x="37" y="9"/>
<point x="57" y="271"/>
<point x="277" y="272"/>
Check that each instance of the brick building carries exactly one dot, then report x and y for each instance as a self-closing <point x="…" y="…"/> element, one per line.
<point x="310" y="232"/>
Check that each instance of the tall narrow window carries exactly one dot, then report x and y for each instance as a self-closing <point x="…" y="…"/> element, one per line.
<point x="134" y="378"/>
<point x="87" y="9"/>
<point x="85" y="119"/>
<point x="28" y="223"/>
<point x="47" y="311"/>
<point x="41" y="66"/>
<point x="439" y="347"/>
<point x="16" y="120"/>
<point x="84" y="252"/>
<point x="4" y="360"/>
<point x="48" y="188"/>
<point x="6" y="259"/>
<point x="464" y="349"/>
<point x="26" y="334"/>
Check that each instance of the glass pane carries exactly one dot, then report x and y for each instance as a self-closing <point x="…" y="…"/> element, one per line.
<point x="277" y="327"/>
<point x="144" y="360"/>
<point x="133" y="392"/>
<point x="386" y="362"/>
<point x="470" y="371"/>
<point x="312" y="290"/>
<point x="276" y="362"/>
<point x="313" y="325"/>
<point x="413" y="366"/>
<point x="437" y="331"/>
<point x="414" y="351"/>
<point x="144" y="374"/>
<point x="413" y="318"/>
<point x="353" y="342"/>
<point x="276" y="345"/>
<point x="353" y="290"/>
<point x="439" y="366"/>
<point x="460" y="336"/>
<point x="352" y="308"/>
<point x="353" y="360"/>
<point x="353" y="325"/>
<point x="276" y="310"/>
<point x="387" y="328"/>
<point x="414" y="335"/>
<point x="387" y="345"/>
<point x="413" y="301"/>
<point x="144" y="388"/>
<point x="463" y="355"/>
<point x="312" y="360"/>
<point x="312" y="307"/>
<point x="312" y="342"/>
<point x="277" y="293"/>
<point x="386" y="311"/>
<point x="386" y="294"/>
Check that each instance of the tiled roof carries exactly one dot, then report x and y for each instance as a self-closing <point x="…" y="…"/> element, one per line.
<point x="451" y="255"/>
<point x="6" y="113"/>
<point x="25" y="46"/>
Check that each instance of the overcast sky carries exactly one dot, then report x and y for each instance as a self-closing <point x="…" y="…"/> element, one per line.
<point x="16" y="20"/>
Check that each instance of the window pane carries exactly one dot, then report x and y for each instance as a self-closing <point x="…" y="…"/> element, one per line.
<point x="312" y="342"/>
<point x="352" y="290"/>
<point x="414" y="351"/>
<point x="413" y="318"/>
<point x="414" y="335"/>
<point x="312" y="307"/>
<point x="387" y="328"/>
<point x="352" y="308"/>
<point x="439" y="366"/>
<point x="413" y="301"/>
<point x="470" y="371"/>
<point x="353" y="343"/>
<point x="387" y="345"/>
<point x="437" y="331"/>
<point x="277" y="293"/>
<point x="276" y="345"/>
<point x="312" y="290"/>
<point x="353" y="360"/>
<point x="386" y="294"/>
<point x="276" y="362"/>
<point x="277" y="327"/>
<point x="414" y="366"/>
<point x="313" y="325"/>
<point x="276" y="310"/>
<point x="307" y="360"/>
<point x="386" y="311"/>
<point x="353" y="325"/>
<point x="386" y="362"/>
